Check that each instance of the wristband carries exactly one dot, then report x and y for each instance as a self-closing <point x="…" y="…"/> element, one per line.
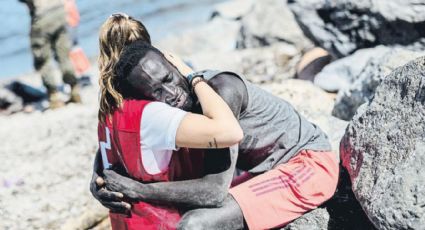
<point x="192" y="76"/>
<point x="194" y="84"/>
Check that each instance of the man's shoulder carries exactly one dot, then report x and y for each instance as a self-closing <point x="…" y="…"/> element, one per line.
<point x="231" y="87"/>
<point x="227" y="82"/>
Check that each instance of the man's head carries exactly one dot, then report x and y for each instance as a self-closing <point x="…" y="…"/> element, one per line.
<point x="144" y="73"/>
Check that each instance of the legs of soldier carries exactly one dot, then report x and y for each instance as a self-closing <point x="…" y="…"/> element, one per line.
<point x="228" y="216"/>
<point x="41" y="50"/>
<point x="61" y="47"/>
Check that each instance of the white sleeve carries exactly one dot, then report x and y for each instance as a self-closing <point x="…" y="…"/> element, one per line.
<point x="159" y="125"/>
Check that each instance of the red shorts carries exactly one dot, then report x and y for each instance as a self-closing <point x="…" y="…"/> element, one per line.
<point x="289" y="190"/>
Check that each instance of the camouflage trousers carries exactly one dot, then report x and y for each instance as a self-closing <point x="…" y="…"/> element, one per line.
<point x="49" y="38"/>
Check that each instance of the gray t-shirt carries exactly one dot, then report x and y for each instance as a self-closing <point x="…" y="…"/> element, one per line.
<point x="273" y="131"/>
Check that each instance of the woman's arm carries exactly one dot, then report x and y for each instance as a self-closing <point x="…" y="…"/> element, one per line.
<point x="217" y="127"/>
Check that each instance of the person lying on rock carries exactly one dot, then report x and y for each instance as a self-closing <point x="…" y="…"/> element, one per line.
<point x="289" y="166"/>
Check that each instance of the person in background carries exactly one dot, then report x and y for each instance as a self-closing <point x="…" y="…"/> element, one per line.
<point x="49" y="38"/>
<point x="78" y="58"/>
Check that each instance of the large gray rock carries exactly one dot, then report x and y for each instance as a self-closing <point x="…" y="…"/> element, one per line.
<point x="363" y="86"/>
<point x="268" y="22"/>
<point x="383" y="150"/>
<point x="342" y="73"/>
<point x="343" y="26"/>
<point x="317" y="219"/>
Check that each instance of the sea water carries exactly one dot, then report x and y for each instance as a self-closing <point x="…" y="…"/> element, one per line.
<point x="161" y="17"/>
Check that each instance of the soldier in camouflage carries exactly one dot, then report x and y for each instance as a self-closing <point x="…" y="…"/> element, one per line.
<point x="49" y="38"/>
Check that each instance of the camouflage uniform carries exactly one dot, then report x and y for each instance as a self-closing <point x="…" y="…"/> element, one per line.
<point x="49" y="38"/>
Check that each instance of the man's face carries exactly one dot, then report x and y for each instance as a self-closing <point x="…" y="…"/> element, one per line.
<point x="158" y="80"/>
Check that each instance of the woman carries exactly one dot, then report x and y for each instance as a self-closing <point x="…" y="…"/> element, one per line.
<point x="144" y="136"/>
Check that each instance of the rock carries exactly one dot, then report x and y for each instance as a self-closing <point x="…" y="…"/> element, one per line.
<point x="204" y="38"/>
<point x="233" y="10"/>
<point x="306" y="98"/>
<point x="364" y="85"/>
<point x="383" y="150"/>
<point x="88" y="219"/>
<point x="104" y="225"/>
<point x="344" y="26"/>
<point x="263" y="64"/>
<point x="341" y="73"/>
<point x="268" y="22"/>
<point x="317" y="219"/>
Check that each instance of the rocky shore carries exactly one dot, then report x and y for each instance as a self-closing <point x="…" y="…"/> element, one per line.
<point x="48" y="155"/>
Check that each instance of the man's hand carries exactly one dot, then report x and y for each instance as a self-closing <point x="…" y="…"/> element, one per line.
<point x="123" y="185"/>
<point x="111" y="200"/>
<point x="182" y="67"/>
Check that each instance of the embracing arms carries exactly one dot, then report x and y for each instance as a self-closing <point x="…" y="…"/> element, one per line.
<point x="208" y="191"/>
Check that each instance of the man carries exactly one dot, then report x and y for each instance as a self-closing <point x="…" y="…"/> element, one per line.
<point x="49" y="38"/>
<point x="287" y="177"/>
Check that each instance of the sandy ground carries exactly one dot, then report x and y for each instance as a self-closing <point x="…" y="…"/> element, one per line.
<point x="47" y="162"/>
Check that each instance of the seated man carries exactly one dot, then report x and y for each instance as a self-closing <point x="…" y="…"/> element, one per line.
<point x="290" y="167"/>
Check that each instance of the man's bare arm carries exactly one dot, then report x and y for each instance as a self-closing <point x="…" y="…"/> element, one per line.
<point x="208" y="191"/>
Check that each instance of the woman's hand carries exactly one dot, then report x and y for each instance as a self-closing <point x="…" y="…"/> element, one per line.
<point x="178" y="63"/>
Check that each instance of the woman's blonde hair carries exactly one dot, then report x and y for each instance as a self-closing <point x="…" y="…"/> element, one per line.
<point x="118" y="31"/>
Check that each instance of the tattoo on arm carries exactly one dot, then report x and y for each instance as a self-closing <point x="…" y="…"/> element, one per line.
<point x="213" y="145"/>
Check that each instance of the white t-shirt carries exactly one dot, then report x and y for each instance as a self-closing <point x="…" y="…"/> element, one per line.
<point x="158" y="130"/>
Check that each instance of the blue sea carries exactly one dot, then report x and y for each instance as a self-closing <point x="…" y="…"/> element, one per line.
<point x="161" y="17"/>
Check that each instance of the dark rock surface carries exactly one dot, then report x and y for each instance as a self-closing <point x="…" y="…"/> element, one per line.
<point x="383" y="150"/>
<point x="344" y="26"/>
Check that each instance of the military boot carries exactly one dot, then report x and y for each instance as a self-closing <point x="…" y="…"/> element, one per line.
<point x="75" y="95"/>
<point x="55" y="101"/>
